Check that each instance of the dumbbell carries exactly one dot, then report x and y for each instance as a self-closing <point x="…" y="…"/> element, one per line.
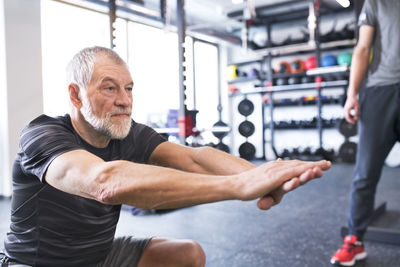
<point x="247" y="150"/>
<point x="281" y="81"/>
<point x="293" y="80"/>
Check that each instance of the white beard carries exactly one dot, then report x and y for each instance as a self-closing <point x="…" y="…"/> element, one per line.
<point x="104" y="125"/>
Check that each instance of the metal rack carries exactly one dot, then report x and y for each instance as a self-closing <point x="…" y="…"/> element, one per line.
<point x="290" y="88"/>
<point x="310" y="10"/>
<point x="271" y="90"/>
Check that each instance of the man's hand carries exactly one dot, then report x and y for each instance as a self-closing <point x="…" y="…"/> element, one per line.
<point x="351" y="109"/>
<point x="272" y="180"/>
<point x="275" y="197"/>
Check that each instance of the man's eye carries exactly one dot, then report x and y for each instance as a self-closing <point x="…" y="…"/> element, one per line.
<point x="109" y="88"/>
<point x="129" y="88"/>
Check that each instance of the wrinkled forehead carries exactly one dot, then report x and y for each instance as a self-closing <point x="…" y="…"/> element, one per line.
<point x="108" y="66"/>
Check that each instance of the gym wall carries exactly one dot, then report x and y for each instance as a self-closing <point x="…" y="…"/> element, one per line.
<point x="4" y="154"/>
<point x="22" y="94"/>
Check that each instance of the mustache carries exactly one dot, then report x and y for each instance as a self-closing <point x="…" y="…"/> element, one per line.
<point x="118" y="111"/>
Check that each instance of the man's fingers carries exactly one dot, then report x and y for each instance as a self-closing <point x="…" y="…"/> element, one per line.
<point x="298" y="168"/>
<point x="265" y="202"/>
<point x="306" y="176"/>
<point x="350" y="119"/>
<point x="323" y="164"/>
<point x="291" y="184"/>
<point x="276" y="196"/>
<point x="310" y="174"/>
<point x="317" y="172"/>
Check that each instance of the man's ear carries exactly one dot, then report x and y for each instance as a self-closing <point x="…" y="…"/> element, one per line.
<point x="74" y="95"/>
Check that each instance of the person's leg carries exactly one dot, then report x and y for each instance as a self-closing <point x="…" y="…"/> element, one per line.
<point x="166" y="252"/>
<point x="377" y="135"/>
<point x="379" y="108"/>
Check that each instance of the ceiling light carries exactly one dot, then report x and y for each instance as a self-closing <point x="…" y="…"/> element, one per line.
<point x="344" y="3"/>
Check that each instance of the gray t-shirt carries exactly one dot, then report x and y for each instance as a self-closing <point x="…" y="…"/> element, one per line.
<point x="384" y="16"/>
<point x="50" y="227"/>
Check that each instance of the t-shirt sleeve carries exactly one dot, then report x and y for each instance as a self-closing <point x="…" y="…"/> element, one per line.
<point x="368" y="14"/>
<point x="41" y="143"/>
<point x="146" y="140"/>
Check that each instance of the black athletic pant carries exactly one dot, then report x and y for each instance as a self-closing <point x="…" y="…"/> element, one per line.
<point x="379" y="129"/>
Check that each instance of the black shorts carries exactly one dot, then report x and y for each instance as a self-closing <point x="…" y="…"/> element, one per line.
<point x="125" y="252"/>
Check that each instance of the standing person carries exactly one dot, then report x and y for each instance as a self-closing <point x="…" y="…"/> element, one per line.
<point x="73" y="173"/>
<point x="378" y="110"/>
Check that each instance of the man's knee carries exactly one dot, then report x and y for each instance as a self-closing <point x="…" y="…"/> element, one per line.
<point x="165" y="252"/>
<point x="194" y="254"/>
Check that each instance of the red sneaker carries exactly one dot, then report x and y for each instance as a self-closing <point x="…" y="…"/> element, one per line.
<point x="350" y="251"/>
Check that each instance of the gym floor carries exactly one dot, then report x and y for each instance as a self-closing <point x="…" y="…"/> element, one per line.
<point x="304" y="230"/>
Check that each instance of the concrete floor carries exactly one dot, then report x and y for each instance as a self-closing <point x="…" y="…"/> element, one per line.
<point x="304" y="230"/>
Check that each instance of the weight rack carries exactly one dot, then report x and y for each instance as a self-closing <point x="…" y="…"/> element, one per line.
<point x="271" y="90"/>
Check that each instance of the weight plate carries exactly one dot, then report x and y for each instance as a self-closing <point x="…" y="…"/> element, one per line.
<point x="223" y="147"/>
<point x="246" y="128"/>
<point x="347" y="151"/>
<point x="219" y="134"/>
<point x="245" y="107"/>
<point x="247" y="151"/>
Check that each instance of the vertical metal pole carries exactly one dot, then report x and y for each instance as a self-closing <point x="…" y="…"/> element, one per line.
<point x="112" y="15"/>
<point x="317" y="5"/>
<point x="317" y="43"/>
<point x="180" y="21"/>
<point x="269" y="56"/>
<point x="263" y="125"/>
<point x="319" y="121"/>
<point x="271" y="96"/>
<point x="311" y="23"/>
<point x="219" y="107"/>
<point x="163" y="10"/>
<point x="194" y="75"/>
<point x="315" y="9"/>
<point x="271" y="122"/>
<point x="267" y="61"/>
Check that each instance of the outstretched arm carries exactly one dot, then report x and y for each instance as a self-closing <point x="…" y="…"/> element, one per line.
<point x="145" y="186"/>
<point x="205" y="160"/>
<point x="211" y="161"/>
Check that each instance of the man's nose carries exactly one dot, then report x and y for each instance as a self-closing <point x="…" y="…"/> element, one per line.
<point x="124" y="98"/>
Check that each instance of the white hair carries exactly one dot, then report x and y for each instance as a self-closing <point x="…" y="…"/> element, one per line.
<point x="80" y="68"/>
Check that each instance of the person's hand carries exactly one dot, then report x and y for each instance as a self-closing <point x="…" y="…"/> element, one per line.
<point x="351" y="109"/>
<point x="275" y="197"/>
<point x="272" y="180"/>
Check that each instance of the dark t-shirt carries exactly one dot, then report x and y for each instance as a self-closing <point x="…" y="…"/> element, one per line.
<point x="50" y="227"/>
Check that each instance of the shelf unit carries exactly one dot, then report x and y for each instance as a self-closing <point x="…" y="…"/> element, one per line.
<point x="304" y="47"/>
<point x="271" y="90"/>
<point x="319" y="87"/>
<point x="243" y="80"/>
<point x="313" y="45"/>
<point x="260" y="77"/>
